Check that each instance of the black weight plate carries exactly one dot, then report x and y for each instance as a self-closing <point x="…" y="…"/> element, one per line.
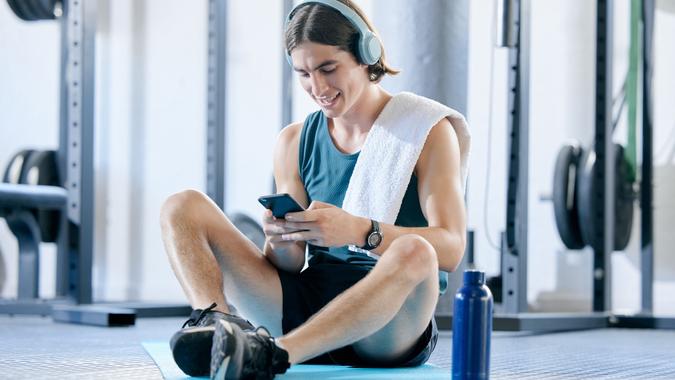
<point x="590" y="216"/>
<point x="250" y="228"/>
<point x="15" y="169"/>
<point x="623" y="202"/>
<point x="564" y="196"/>
<point x="44" y="9"/>
<point x="42" y="169"/>
<point x="19" y="9"/>
<point x="590" y="204"/>
<point x="29" y="9"/>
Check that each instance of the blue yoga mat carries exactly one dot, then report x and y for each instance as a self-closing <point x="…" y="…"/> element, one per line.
<point x="161" y="354"/>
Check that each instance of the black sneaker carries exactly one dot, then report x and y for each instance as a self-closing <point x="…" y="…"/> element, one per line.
<point x="191" y="346"/>
<point x="245" y="355"/>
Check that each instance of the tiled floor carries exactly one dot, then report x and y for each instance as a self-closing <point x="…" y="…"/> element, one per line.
<point x="34" y="347"/>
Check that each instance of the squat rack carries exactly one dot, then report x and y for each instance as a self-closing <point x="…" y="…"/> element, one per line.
<point x="515" y="315"/>
<point x="75" y="160"/>
<point x="75" y="157"/>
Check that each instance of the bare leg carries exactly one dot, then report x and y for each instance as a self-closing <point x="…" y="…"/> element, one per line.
<point x="210" y="257"/>
<point x="383" y="314"/>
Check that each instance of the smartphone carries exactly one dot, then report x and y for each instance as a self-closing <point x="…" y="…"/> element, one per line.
<point x="280" y="204"/>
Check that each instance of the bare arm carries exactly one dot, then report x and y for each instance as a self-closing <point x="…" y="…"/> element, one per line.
<point x="285" y="255"/>
<point x="441" y="198"/>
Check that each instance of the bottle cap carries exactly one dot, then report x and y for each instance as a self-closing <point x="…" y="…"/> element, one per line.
<point x="473" y="276"/>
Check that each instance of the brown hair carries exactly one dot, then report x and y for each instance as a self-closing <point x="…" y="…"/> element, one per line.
<point x="322" y="24"/>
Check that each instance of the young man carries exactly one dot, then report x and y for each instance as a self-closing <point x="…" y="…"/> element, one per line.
<point x="345" y="308"/>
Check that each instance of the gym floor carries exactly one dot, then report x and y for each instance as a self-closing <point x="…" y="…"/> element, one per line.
<point x="36" y="347"/>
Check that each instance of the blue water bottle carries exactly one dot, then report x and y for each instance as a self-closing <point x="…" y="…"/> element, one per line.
<point x="471" y="328"/>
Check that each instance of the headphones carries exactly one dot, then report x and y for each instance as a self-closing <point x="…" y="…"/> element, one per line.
<point x="369" y="48"/>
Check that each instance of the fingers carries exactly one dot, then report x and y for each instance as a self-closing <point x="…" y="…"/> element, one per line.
<point x="312" y="214"/>
<point x="267" y="217"/>
<point x="302" y="216"/>
<point x="307" y="236"/>
<point x="279" y="240"/>
<point x="297" y="226"/>
<point x="291" y="238"/>
<point x="277" y="226"/>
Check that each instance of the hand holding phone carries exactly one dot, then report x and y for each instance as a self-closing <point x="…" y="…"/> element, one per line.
<point x="280" y="204"/>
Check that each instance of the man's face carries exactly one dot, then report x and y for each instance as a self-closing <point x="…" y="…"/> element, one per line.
<point x="332" y="77"/>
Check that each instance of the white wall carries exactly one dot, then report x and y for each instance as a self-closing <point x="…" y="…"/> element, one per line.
<point x="151" y="104"/>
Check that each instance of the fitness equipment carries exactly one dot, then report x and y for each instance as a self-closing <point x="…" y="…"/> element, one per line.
<point x="588" y="202"/>
<point x="574" y="206"/>
<point x="595" y="180"/>
<point x="15" y="167"/>
<point x="33" y="219"/>
<point x="565" y="199"/>
<point x="574" y="184"/>
<point x="38" y="203"/>
<point x="369" y="47"/>
<point x="35" y="10"/>
<point x="74" y="197"/>
<point x="41" y="169"/>
<point x="49" y="183"/>
<point x="32" y="214"/>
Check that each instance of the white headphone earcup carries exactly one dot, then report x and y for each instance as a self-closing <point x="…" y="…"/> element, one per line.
<point x="370" y="49"/>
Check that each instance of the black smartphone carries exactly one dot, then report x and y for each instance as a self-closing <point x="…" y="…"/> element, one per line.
<point x="280" y="204"/>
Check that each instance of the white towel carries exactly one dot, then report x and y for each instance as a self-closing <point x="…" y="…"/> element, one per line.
<point x="390" y="152"/>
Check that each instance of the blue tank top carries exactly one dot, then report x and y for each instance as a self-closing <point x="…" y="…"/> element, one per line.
<point x="325" y="174"/>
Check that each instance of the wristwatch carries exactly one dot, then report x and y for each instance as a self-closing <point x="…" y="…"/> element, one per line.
<point x="374" y="237"/>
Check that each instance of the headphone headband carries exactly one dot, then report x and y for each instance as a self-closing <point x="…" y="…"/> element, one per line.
<point x="369" y="47"/>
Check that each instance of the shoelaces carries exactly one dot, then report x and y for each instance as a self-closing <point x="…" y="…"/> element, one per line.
<point x="192" y="321"/>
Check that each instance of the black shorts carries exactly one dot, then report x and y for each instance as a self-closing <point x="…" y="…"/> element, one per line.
<point x="306" y="293"/>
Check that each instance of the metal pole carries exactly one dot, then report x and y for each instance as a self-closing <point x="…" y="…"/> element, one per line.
<point x="646" y="191"/>
<point x="286" y="80"/>
<point x="216" y="136"/>
<point x="286" y="75"/>
<point x="80" y="22"/>
<point x="62" y="258"/>
<point x="514" y="263"/>
<point x="604" y="156"/>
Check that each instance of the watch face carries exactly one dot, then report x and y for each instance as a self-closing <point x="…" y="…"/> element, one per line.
<point x="374" y="239"/>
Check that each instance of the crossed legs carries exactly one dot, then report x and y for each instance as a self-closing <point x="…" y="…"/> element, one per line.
<point x="383" y="315"/>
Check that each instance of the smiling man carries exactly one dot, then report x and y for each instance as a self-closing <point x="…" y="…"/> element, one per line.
<point x="368" y="294"/>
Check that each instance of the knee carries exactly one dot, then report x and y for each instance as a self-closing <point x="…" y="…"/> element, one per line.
<point x="414" y="256"/>
<point x="181" y="208"/>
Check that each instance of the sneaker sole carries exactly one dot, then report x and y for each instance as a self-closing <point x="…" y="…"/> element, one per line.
<point x="191" y="348"/>
<point x="230" y="365"/>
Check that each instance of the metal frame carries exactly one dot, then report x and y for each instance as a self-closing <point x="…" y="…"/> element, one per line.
<point x="216" y="129"/>
<point x="646" y="191"/>
<point x="80" y="26"/>
<point x="514" y="250"/>
<point x="77" y="150"/>
<point x="75" y="157"/>
<point x="513" y="314"/>
<point x="73" y="302"/>
<point x="604" y="155"/>
<point x="646" y="319"/>
<point x="286" y="73"/>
